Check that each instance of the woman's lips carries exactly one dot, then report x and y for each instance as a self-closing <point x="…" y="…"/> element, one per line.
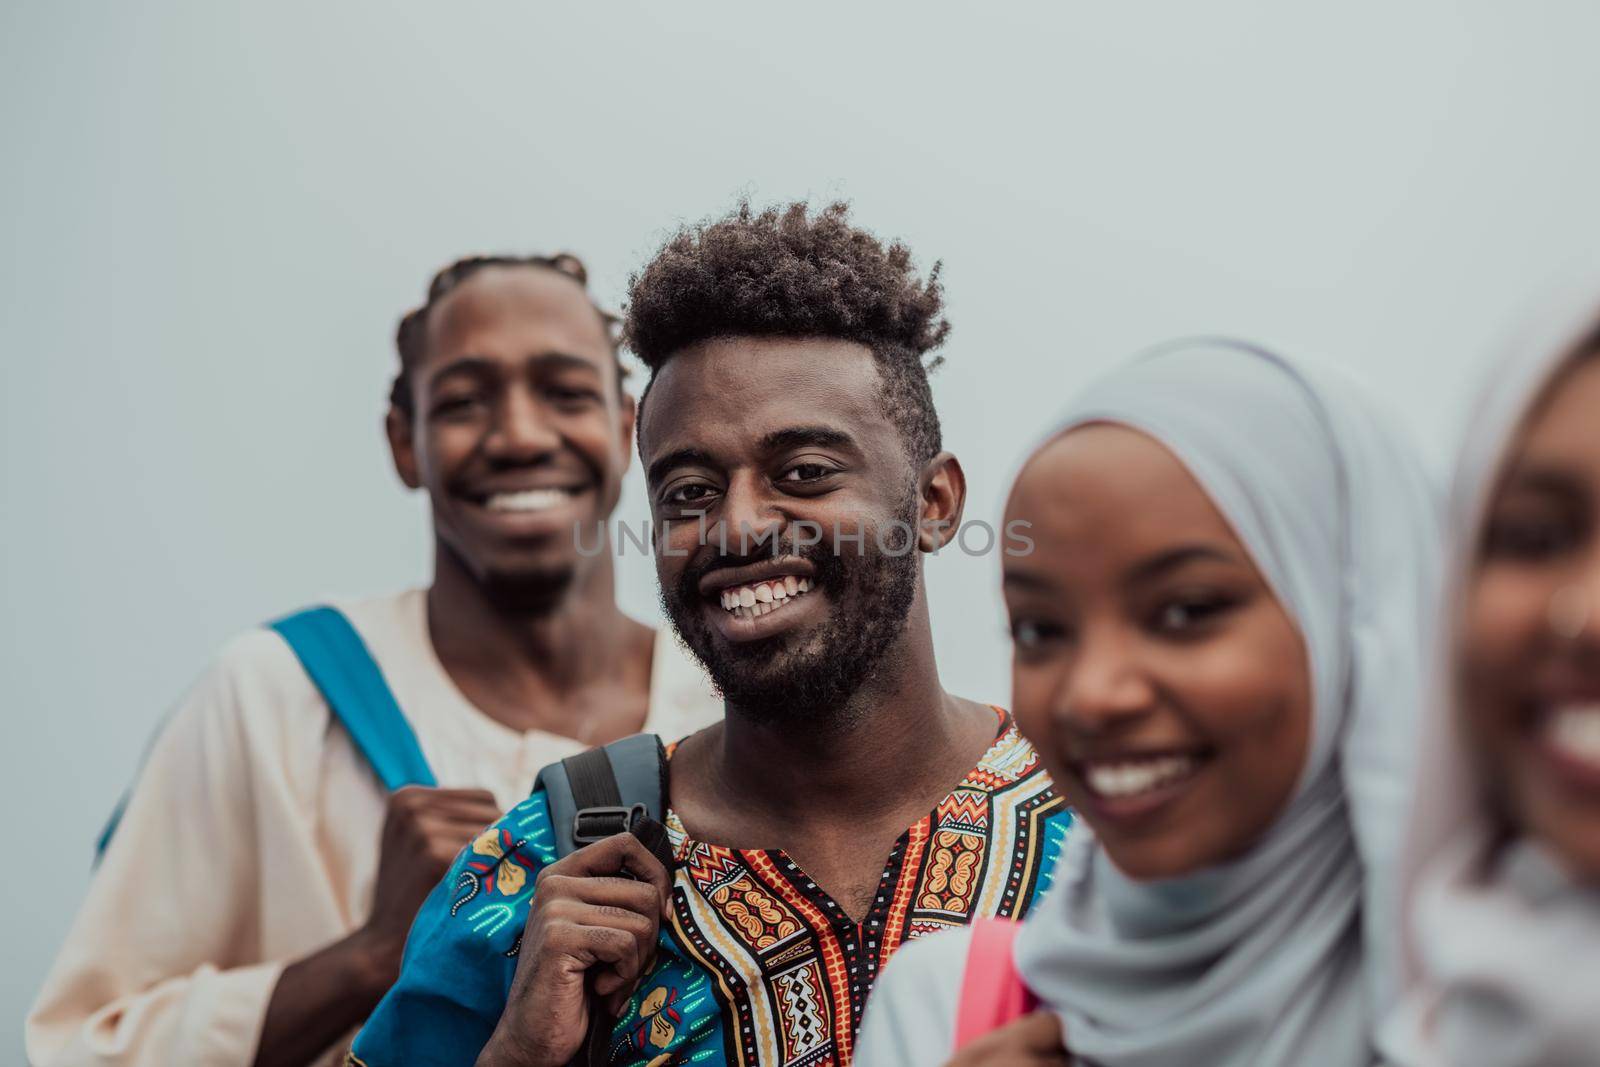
<point x="1569" y="736"/>
<point x="1133" y="786"/>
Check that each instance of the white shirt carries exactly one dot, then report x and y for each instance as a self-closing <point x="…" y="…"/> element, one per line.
<point x="251" y="840"/>
<point x="911" y="1015"/>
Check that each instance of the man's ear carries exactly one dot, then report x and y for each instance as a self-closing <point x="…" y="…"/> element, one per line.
<point x="943" y="489"/>
<point x="402" y="446"/>
<point x="628" y="415"/>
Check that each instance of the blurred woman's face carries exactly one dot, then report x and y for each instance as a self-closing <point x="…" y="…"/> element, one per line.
<point x="1166" y="690"/>
<point x="1530" y="670"/>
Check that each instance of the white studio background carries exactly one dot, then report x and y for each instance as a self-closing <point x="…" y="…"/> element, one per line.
<point x="214" y="214"/>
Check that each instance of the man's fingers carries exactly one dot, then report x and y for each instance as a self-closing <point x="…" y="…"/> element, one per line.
<point x="641" y="927"/>
<point x="480" y="815"/>
<point x="613" y="949"/>
<point x="639" y="897"/>
<point x="429" y="795"/>
<point x="477" y="796"/>
<point x="621" y="854"/>
<point x="464" y="829"/>
<point x="476" y="804"/>
<point x="616" y="944"/>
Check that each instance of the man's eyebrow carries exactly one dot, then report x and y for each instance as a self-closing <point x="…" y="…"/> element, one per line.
<point x="475" y="364"/>
<point x="1174" y="558"/>
<point x="564" y="361"/>
<point x="681" y="457"/>
<point x="482" y="365"/>
<point x="806" y="436"/>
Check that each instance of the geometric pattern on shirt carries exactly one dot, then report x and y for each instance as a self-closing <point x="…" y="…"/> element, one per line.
<point x="758" y="967"/>
<point x="791" y="971"/>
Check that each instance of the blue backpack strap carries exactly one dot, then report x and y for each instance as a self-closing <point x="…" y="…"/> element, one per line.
<point x="337" y="661"/>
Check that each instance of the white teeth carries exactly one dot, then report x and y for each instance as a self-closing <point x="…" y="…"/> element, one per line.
<point x="1575" y="732"/>
<point x="753" y="601"/>
<point x="528" y="500"/>
<point x="1132" y="778"/>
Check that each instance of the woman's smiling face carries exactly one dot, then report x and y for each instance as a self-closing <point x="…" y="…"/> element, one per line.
<point x="1164" y="686"/>
<point x="1530" y="668"/>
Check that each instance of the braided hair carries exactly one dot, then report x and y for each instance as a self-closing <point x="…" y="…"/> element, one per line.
<point x="412" y="336"/>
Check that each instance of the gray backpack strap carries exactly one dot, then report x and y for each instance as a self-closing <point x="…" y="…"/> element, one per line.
<point x="616" y="789"/>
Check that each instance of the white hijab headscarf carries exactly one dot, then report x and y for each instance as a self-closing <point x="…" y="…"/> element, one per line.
<point x="1279" y="957"/>
<point x="1501" y="949"/>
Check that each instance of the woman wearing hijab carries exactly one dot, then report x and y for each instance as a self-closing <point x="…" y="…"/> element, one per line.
<point x="1217" y="654"/>
<point x="1504" y="864"/>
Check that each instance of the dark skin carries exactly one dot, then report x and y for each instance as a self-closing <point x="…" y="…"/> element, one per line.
<point x="520" y="432"/>
<point x="519" y="391"/>
<point x="1532" y="628"/>
<point x="1141" y="629"/>
<point x="1141" y="626"/>
<point x="752" y="781"/>
<point x="1032" y="1041"/>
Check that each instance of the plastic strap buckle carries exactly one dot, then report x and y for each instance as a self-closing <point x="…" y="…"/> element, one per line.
<point x="597" y="824"/>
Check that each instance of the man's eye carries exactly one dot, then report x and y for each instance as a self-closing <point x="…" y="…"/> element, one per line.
<point x="686" y="494"/>
<point x="572" y="395"/>
<point x="456" y="405"/>
<point x="805" y="472"/>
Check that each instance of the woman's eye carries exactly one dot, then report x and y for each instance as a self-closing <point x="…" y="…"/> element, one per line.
<point x="1183" y="616"/>
<point x="1530" y="540"/>
<point x="1034" y="633"/>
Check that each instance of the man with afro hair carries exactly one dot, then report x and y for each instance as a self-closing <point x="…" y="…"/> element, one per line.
<point x="847" y="802"/>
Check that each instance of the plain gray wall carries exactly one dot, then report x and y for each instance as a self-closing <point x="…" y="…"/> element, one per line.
<point x="214" y="213"/>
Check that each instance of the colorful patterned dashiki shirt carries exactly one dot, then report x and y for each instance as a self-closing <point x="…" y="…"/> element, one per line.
<point x="759" y="966"/>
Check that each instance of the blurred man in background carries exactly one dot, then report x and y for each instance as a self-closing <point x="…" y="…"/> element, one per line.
<point x="252" y="902"/>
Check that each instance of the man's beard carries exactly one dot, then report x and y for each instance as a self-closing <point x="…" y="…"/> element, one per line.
<point x="532" y="591"/>
<point x="808" y="678"/>
<point x="531" y="594"/>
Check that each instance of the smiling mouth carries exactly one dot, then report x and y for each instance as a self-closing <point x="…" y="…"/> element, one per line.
<point x="1122" y="777"/>
<point x="753" y="600"/>
<point x="527" y="501"/>
<point x="1573" y="731"/>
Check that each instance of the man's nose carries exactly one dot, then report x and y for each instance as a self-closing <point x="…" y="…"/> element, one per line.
<point x="750" y="518"/>
<point x="521" y="431"/>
